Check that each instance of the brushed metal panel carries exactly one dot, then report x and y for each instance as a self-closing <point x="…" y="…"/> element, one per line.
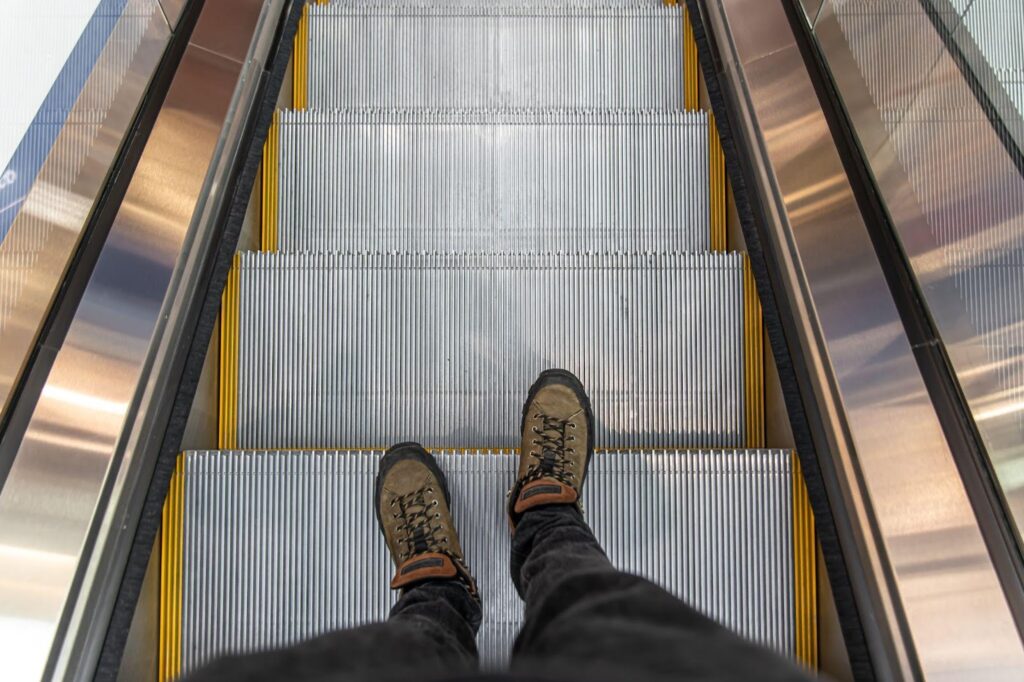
<point x="172" y="10"/>
<point x="755" y="39"/>
<point x="241" y="15"/>
<point x="936" y="552"/>
<point x="921" y="555"/>
<point x="957" y="203"/>
<point x="35" y="253"/>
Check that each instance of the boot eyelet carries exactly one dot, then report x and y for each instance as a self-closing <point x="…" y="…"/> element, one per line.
<point x="434" y="503"/>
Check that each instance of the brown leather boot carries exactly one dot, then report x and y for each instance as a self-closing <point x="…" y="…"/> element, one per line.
<point x="558" y="443"/>
<point x="412" y="503"/>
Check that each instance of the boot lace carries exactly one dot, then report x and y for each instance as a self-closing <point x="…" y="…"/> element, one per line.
<point x="420" y="528"/>
<point x="553" y="454"/>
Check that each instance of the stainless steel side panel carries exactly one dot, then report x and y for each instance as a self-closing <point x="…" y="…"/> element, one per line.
<point x="927" y="589"/>
<point x="69" y="507"/>
<point x="46" y="232"/>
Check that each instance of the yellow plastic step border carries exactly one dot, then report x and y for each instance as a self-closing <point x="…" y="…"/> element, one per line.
<point x="753" y="361"/>
<point x="691" y="80"/>
<point x="268" y="209"/>
<point x="805" y="572"/>
<point x="300" y="60"/>
<point x="717" y="199"/>
<point x="169" y="656"/>
<point x="227" y="422"/>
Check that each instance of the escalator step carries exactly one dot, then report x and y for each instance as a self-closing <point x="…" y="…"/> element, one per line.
<point x="328" y="349"/>
<point x="268" y="547"/>
<point x="524" y="181"/>
<point x="622" y="53"/>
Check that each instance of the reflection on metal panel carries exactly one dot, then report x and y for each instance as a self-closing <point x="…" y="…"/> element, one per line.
<point x="717" y="531"/>
<point x="957" y="202"/>
<point x="53" y="206"/>
<point x="336" y="349"/>
<point x="539" y="181"/>
<point x="920" y="568"/>
<point x="996" y="29"/>
<point x="69" y="507"/>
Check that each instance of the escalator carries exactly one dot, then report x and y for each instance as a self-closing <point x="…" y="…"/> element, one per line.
<point x="444" y="215"/>
<point x="778" y="241"/>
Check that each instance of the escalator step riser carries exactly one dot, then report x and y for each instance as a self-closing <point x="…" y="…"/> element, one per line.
<point x="375" y="349"/>
<point x="492" y="181"/>
<point x="488" y="55"/>
<point x="279" y="546"/>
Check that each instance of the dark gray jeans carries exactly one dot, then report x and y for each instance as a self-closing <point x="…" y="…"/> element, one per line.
<point x="585" y="620"/>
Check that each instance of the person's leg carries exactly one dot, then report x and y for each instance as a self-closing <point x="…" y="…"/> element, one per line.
<point x="584" y="618"/>
<point x="430" y="631"/>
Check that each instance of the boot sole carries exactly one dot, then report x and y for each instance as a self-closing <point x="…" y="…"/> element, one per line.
<point x="566" y="378"/>
<point x="400" y="453"/>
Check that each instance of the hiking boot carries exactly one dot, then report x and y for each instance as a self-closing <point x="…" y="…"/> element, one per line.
<point x="413" y="511"/>
<point x="558" y="443"/>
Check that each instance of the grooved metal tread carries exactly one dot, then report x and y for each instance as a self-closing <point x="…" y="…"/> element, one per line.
<point x="491" y="180"/>
<point x="618" y="53"/>
<point x="268" y="547"/>
<point x="328" y="349"/>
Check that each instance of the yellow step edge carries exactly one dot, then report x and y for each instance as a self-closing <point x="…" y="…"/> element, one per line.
<point x="268" y="212"/>
<point x="753" y="361"/>
<point x="300" y="59"/>
<point x="169" y="661"/>
<point x="717" y="198"/>
<point x="227" y="424"/>
<point x="805" y="567"/>
<point x="691" y="80"/>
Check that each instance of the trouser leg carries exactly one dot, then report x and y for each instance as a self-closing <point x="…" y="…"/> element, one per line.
<point x="431" y="630"/>
<point x="584" y="618"/>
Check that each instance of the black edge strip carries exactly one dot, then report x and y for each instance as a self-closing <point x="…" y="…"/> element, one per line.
<point x="804" y="418"/>
<point x="230" y="225"/>
<point x="954" y="414"/>
<point x="25" y="393"/>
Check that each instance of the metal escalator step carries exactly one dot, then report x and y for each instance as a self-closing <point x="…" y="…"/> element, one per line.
<point x="329" y="349"/>
<point x="269" y="547"/>
<point x="527" y="180"/>
<point x="608" y="54"/>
